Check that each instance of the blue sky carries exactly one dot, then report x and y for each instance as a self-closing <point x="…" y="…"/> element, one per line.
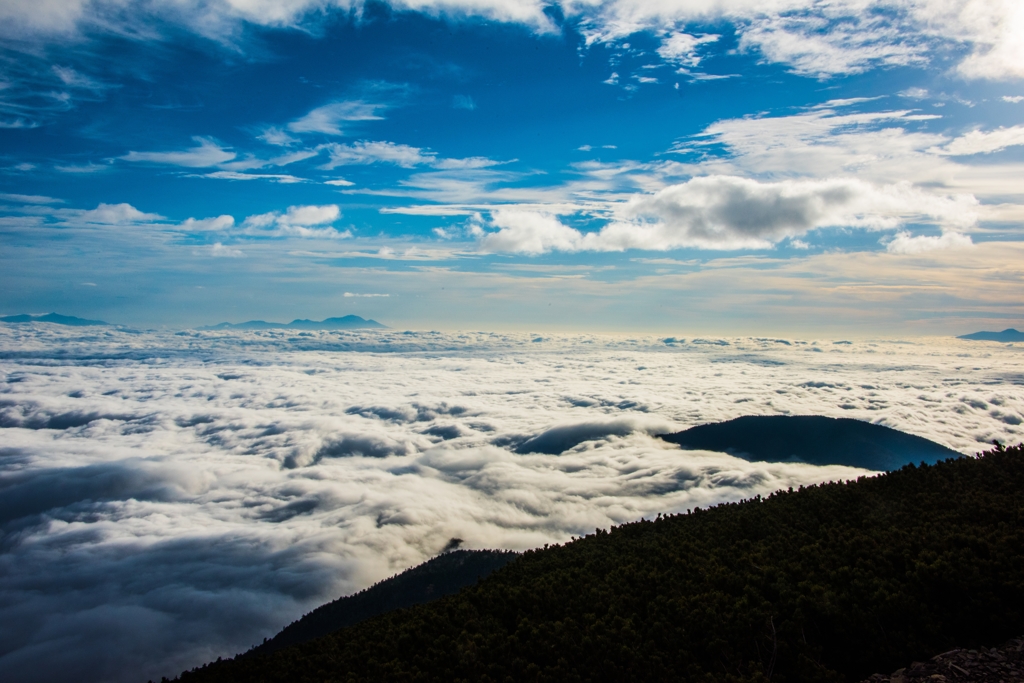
<point x="734" y="167"/>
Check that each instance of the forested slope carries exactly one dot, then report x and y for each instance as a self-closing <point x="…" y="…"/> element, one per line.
<point x="828" y="583"/>
<point x="435" y="578"/>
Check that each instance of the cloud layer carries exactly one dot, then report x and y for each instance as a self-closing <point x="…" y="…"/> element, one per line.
<point x="167" y="498"/>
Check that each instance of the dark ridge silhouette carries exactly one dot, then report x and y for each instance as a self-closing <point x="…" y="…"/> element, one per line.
<point x="348" y="322"/>
<point x="824" y="584"/>
<point x="55" y="318"/>
<point x="443" y="575"/>
<point x="1007" y="335"/>
<point x="812" y="439"/>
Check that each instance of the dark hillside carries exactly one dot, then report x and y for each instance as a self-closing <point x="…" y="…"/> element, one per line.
<point x="828" y="583"/>
<point x="813" y="439"/>
<point x="436" y="578"/>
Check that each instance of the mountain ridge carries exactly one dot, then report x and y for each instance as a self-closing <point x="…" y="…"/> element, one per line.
<point x="442" y="575"/>
<point x="55" y="318"/>
<point x="826" y="583"/>
<point x="347" y="322"/>
<point x="1007" y="335"/>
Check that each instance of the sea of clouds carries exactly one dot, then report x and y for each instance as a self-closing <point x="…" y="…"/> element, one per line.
<point x="170" y="498"/>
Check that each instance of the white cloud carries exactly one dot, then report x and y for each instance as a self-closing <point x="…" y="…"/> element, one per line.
<point x="529" y="232"/>
<point x="994" y="27"/>
<point x="683" y="48"/>
<point x="73" y="79"/>
<point x="220" y="251"/>
<point x="813" y="45"/>
<point x="883" y="147"/>
<point x="111" y="214"/>
<point x="274" y="177"/>
<point x="467" y="163"/>
<point x="29" y="198"/>
<point x="366" y="152"/>
<point x="914" y="93"/>
<point x="206" y="153"/>
<point x="349" y="295"/>
<point x="905" y="243"/>
<point x="297" y="221"/>
<point x="82" y="168"/>
<point x="818" y="38"/>
<point x="215" y="224"/>
<point x="1013" y="99"/>
<point x="339" y="182"/>
<point x="276" y="136"/>
<point x="178" y="498"/>
<point x="329" y="118"/>
<point x="311" y="215"/>
<point x="978" y="142"/>
<point x="728" y="212"/>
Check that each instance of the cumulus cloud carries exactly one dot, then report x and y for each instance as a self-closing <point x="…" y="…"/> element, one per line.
<point x="529" y="232"/>
<point x="728" y="212"/>
<point x="329" y="118"/>
<point x="206" y="153"/>
<point x="222" y="251"/>
<point x="216" y="224"/>
<point x="169" y="498"/>
<point x="111" y="214"/>
<point x="299" y="221"/>
<point x="905" y="243"/>
<point x="994" y="28"/>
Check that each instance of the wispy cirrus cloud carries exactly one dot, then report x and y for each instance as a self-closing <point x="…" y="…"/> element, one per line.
<point x="330" y="119"/>
<point x="206" y="153"/>
<point x="236" y="175"/>
<point x="980" y="142"/>
<point x="372" y="152"/>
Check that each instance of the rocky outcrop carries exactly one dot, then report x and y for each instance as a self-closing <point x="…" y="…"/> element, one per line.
<point x="985" y="665"/>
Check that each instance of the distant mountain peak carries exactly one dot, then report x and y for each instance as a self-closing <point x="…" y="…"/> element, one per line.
<point x="54" y="318"/>
<point x="1007" y="335"/>
<point x="346" y="322"/>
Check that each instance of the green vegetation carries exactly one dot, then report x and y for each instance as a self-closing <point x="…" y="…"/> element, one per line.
<point x="828" y="583"/>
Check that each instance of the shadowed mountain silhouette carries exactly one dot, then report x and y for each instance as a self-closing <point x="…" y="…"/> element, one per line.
<point x="1007" y="335"/>
<point x="348" y="322"/>
<point x="443" y="575"/>
<point x="813" y="439"/>
<point x="55" y="318"/>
